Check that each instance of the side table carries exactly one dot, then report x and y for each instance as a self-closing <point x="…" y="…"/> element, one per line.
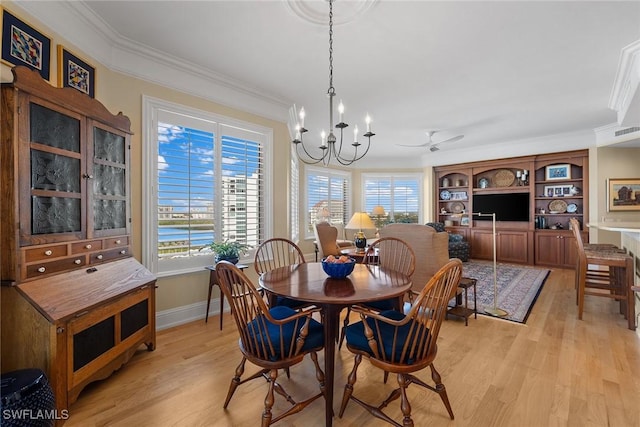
<point x="464" y="311"/>
<point x="213" y="281"/>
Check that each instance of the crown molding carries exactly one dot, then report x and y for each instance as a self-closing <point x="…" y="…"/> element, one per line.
<point x="78" y="24"/>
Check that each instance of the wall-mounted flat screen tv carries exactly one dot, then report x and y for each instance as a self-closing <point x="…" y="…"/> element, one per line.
<point x="507" y="206"/>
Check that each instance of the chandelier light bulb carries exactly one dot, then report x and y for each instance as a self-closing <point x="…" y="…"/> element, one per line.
<point x="323" y="135"/>
<point x="368" y="122"/>
<point x="301" y="115"/>
<point x="355" y="134"/>
<point x="340" y="110"/>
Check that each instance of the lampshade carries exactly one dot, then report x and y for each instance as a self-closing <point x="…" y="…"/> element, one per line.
<point x="360" y="220"/>
<point x="378" y="210"/>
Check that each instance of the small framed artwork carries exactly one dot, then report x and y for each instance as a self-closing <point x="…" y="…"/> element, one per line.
<point x="464" y="220"/>
<point x="557" y="190"/>
<point x="623" y="194"/>
<point x="553" y="172"/>
<point x="76" y="73"/>
<point x="24" y="45"/>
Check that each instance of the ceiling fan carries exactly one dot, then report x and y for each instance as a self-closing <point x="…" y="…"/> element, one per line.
<point x="433" y="145"/>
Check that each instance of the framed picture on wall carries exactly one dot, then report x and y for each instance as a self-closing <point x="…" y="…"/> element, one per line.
<point x="623" y="194"/>
<point x="553" y="172"/>
<point x="24" y="45"/>
<point x="76" y="73"/>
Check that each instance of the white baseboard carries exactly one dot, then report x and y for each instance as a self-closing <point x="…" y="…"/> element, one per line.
<point x="187" y="313"/>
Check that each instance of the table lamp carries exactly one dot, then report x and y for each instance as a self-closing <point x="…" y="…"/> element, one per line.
<point x="378" y="212"/>
<point x="358" y="221"/>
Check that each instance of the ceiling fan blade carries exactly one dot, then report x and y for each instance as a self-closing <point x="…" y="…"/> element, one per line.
<point x="419" y="145"/>
<point x="454" y="139"/>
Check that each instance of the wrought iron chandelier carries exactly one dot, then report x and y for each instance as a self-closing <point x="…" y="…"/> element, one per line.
<point x="328" y="142"/>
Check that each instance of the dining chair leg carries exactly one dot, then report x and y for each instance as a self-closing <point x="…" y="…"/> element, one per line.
<point x="269" y="399"/>
<point x="441" y="390"/>
<point x="235" y="382"/>
<point x="345" y="323"/>
<point x="405" y="406"/>
<point x="348" y="387"/>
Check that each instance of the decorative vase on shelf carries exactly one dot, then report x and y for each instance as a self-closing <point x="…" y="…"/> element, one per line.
<point x="445" y="182"/>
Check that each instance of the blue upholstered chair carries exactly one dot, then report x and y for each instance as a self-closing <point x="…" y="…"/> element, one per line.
<point x="270" y="338"/>
<point x="458" y="247"/>
<point x="403" y="344"/>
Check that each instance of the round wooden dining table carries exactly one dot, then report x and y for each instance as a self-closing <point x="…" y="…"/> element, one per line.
<point x="308" y="282"/>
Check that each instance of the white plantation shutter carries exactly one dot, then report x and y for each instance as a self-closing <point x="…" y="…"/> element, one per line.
<point x="295" y="197"/>
<point x="209" y="182"/>
<point x="398" y="194"/>
<point x="328" y="195"/>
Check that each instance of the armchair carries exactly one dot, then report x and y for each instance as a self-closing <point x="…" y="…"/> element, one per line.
<point x="458" y="247"/>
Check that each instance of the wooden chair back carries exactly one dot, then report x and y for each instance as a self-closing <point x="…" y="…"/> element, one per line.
<point x="391" y="253"/>
<point x="275" y="253"/>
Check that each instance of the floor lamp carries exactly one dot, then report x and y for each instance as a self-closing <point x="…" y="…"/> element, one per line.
<point x="494" y="311"/>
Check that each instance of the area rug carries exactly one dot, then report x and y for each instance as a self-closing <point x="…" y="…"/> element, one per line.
<point x="518" y="287"/>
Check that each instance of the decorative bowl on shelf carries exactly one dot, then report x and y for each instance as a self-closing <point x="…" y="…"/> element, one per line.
<point x="504" y="178"/>
<point x="557" y="206"/>
<point x="339" y="269"/>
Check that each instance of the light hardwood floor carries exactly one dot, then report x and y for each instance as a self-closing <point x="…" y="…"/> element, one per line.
<point x="553" y="371"/>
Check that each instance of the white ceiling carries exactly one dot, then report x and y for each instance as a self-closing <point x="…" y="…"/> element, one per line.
<point x="504" y="74"/>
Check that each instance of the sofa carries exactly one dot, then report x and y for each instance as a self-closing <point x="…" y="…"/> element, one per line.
<point x="458" y="247"/>
<point x="429" y="246"/>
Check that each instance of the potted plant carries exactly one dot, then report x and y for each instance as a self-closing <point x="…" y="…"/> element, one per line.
<point x="228" y="250"/>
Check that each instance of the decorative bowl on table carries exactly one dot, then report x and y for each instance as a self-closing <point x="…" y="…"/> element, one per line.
<point x="338" y="267"/>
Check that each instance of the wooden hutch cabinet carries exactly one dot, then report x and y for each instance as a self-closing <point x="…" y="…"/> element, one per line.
<point x="536" y="195"/>
<point x="75" y="303"/>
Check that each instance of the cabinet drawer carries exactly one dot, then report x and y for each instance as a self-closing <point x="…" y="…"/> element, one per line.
<point x="45" y="268"/>
<point x="45" y="252"/>
<point x="86" y="246"/>
<point x="109" y="255"/>
<point x="116" y="242"/>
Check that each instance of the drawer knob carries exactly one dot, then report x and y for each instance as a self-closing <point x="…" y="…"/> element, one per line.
<point x="88" y="246"/>
<point x="118" y="242"/>
<point x="99" y="256"/>
<point x="48" y="252"/>
<point x="123" y="252"/>
<point x="77" y="262"/>
<point x="42" y="270"/>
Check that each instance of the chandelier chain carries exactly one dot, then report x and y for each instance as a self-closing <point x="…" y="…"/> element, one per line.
<point x="331" y="88"/>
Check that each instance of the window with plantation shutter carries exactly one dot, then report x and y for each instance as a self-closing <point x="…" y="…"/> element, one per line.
<point x="294" y="202"/>
<point x="328" y="197"/>
<point x="207" y="177"/>
<point x="398" y="194"/>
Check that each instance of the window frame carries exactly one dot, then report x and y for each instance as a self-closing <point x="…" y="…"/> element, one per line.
<point x="418" y="176"/>
<point x="150" y="109"/>
<point x="330" y="173"/>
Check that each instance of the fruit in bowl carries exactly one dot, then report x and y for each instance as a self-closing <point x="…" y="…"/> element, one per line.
<point x="338" y="267"/>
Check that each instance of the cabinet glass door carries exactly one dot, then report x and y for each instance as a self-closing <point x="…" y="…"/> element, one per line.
<point x="55" y="165"/>
<point x="110" y="192"/>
